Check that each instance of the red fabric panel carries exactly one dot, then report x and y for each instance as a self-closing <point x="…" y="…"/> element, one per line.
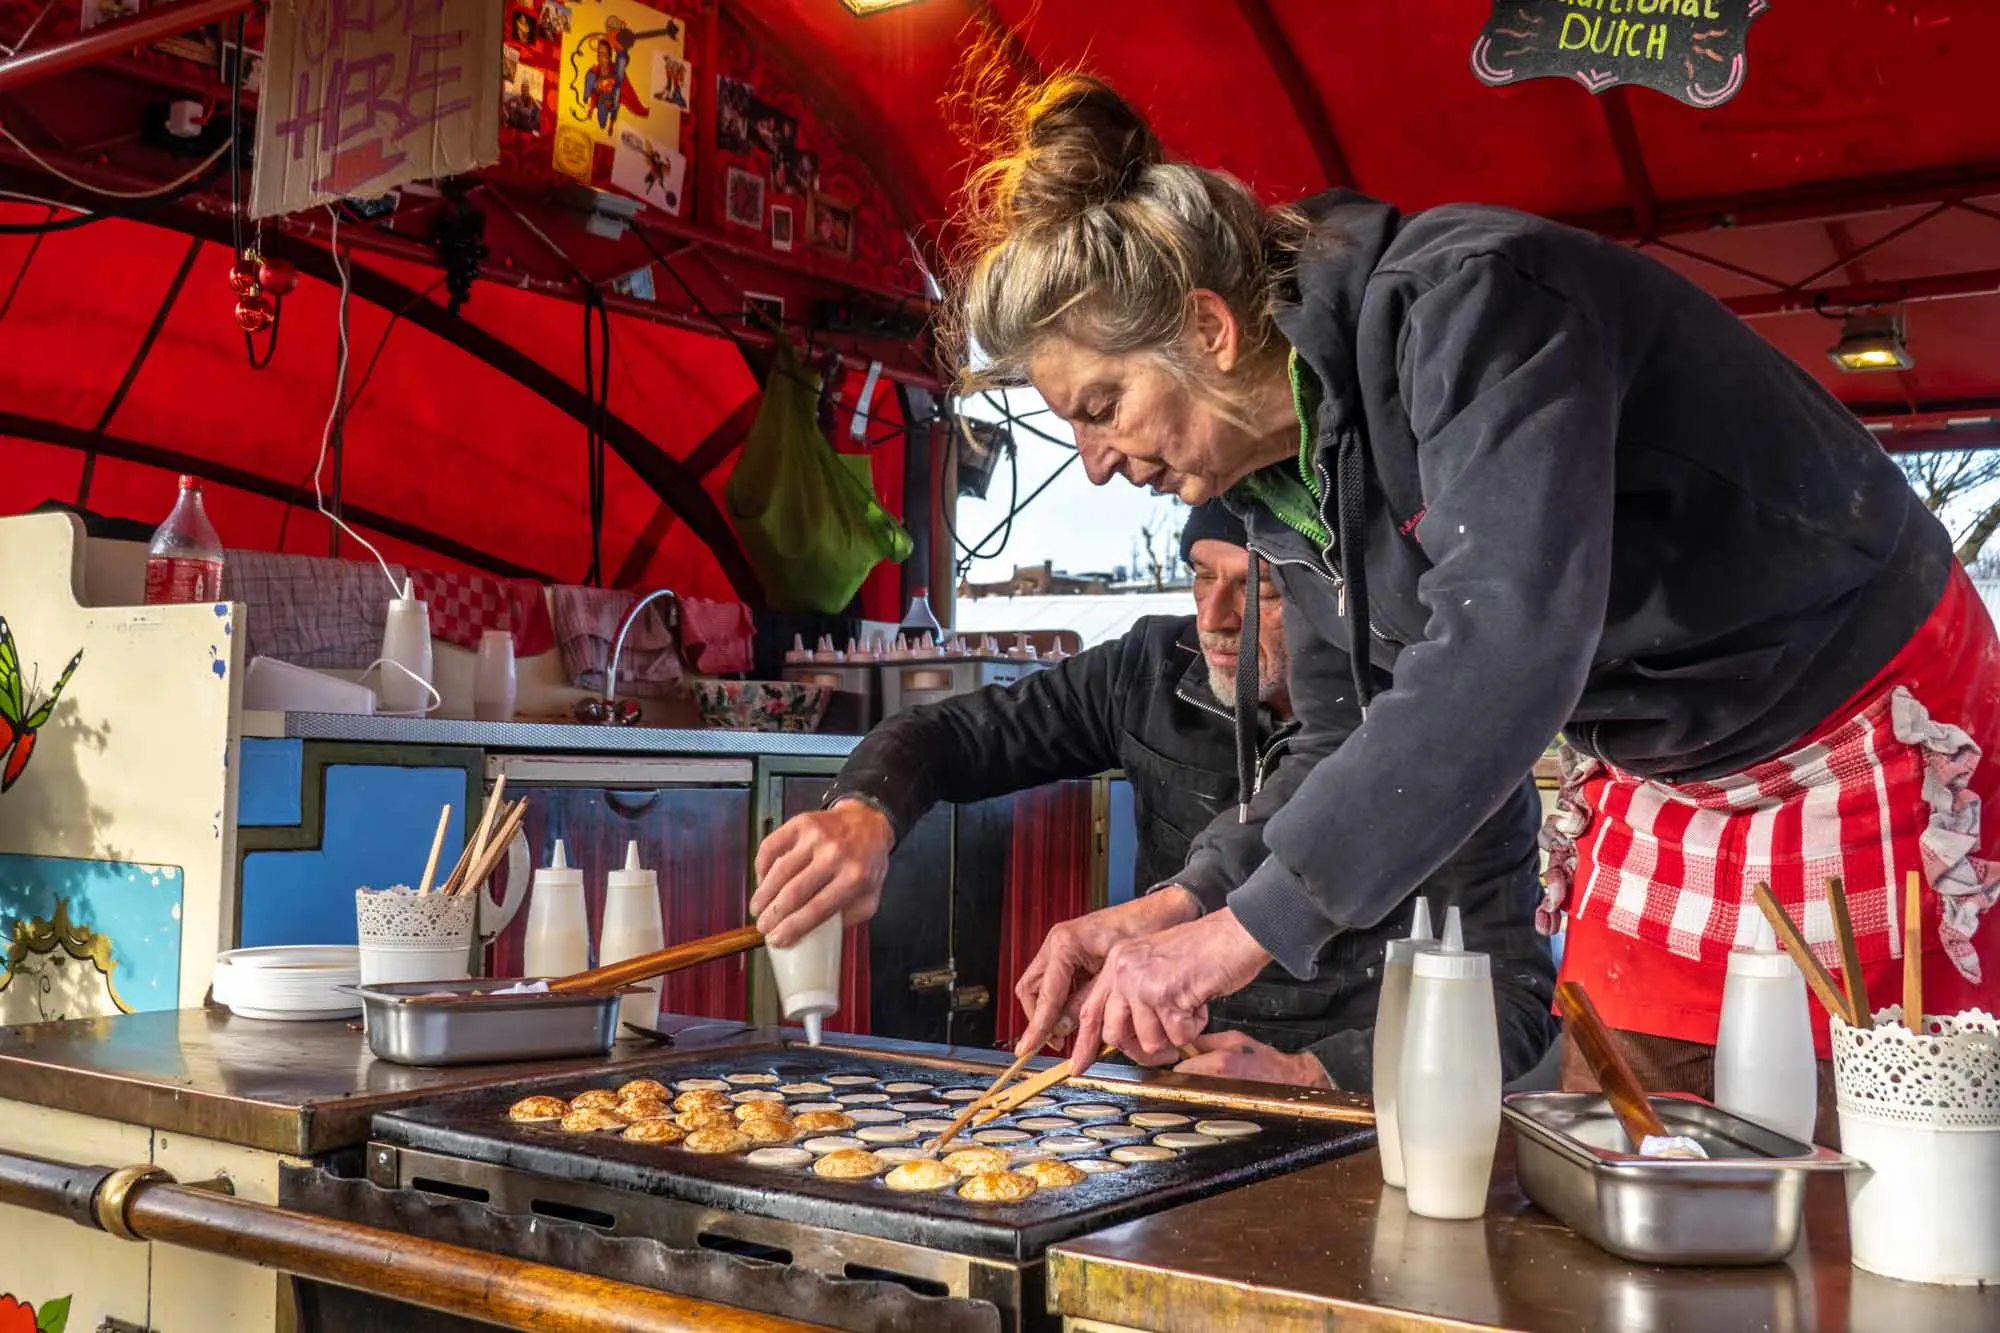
<point x="856" y="981"/>
<point x="1048" y="882"/>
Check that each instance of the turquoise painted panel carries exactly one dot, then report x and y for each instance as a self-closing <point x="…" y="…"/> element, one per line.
<point x="270" y="784"/>
<point x="379" y="821"/>
<point x="1121" y="845"/>
<point x="136" y="907"/>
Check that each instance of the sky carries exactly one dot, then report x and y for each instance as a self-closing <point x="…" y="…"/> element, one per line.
<point x="1077" y="525"/>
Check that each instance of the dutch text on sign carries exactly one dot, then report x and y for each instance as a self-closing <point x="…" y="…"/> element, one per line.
<point x="1606" y="32"/>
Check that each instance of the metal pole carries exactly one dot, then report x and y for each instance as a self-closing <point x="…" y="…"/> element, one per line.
<point x="169" y="20"/>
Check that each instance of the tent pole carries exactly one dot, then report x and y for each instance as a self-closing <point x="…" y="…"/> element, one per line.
<point x="143" y="29"/>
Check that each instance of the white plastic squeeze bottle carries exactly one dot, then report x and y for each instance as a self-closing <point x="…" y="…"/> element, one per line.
<point x="1764" y="1068"/>
<point x="1390" y="1012"/>
<point x="1448" y="1091"/>
<point x="632" y="926"/>
<point x="558" y="936"/>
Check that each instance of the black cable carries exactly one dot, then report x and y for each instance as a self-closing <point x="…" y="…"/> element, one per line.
<point x="21" y="275"/>
<point x="597" y="384"/>
<point x="236" y="146"/>
<point x="1248" y="680"/>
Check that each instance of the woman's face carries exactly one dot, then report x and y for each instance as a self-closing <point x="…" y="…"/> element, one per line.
<point x="1133" y="417"/>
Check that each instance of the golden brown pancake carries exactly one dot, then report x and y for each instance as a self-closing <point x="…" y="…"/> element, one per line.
<point x="590" y="1120"/>
<point x="706" y="1117"/>
<point x="1049" y="1174"/>
<point x="916" y="1177"/>
<point x="767" y="1129"/>
<point x="702" y="1097"/>
<point x="974" y="1161"/>
<point x="849" y="1164"/>
<point x="650" y="1088"/>
<point x="538" y="1108"/>
<point x="601" y="1098"/>
<point x="642" y="1108"/>
<point x="720" y="1139"/>
<point x="822" y="1122"/>
<point x="755" y="1110"/>
<point x="997" y="1187"/>
<point x="657" y="1130"/>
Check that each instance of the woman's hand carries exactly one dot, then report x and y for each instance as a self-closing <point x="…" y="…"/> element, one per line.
<point x="1073" y="952"/>
<point x="1152" y="993"/>
<point x="818" y="864"/>
<point x="1233" y="1055"/>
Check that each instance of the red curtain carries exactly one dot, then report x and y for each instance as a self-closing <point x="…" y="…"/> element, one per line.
<point x="1048" y="881"/>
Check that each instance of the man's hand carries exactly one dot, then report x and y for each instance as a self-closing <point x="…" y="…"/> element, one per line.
<point x="818" y="864"/>
<point x="1152" y="993"/>
<point x="1073" y="952"/>
<point x="1233" y="1055"/>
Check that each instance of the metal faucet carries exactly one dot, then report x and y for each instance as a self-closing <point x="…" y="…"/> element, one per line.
<point x="618" y="645"/>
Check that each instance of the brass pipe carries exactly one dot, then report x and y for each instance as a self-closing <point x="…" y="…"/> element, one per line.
<point x="143" y="1204"/>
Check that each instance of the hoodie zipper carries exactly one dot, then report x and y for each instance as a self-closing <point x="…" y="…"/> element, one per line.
<point x="1265" y="754"/>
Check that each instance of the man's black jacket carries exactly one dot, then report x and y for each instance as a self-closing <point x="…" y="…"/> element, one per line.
<point x="1142" y="704"/>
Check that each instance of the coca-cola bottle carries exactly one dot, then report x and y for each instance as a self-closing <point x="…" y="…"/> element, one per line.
<point x="920" y="620"/>
<point x="184" y="563"/>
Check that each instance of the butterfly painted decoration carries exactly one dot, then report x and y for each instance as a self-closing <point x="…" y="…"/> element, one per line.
<point x="21" y="714"/>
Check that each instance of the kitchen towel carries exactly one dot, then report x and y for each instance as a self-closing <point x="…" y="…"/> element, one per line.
<point x="586" y="626"/>
<point x="309" y="610"/>
<point x="465" y="605"/>
<point x="718" y="636"/>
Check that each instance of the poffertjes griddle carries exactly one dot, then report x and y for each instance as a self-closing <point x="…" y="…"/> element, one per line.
<point x="475" y="1127"/>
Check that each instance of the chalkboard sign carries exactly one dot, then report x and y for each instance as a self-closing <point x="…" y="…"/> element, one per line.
<point x="1693" y="50"/>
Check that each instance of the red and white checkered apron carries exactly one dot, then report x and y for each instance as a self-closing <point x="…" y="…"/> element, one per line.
<point x="1657" y="878"/>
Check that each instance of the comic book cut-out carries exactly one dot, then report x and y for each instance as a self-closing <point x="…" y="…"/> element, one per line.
<point x="23" y="710"/>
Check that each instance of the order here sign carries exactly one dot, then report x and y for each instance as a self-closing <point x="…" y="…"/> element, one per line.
<point x="360" y="96"/>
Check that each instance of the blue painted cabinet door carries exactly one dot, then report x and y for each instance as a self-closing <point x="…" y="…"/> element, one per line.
<point x="377" y="830"/>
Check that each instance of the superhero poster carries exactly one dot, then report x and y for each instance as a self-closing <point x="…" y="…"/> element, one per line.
<point x="612" y="54"/>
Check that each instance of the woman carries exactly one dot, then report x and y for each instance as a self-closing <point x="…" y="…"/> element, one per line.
<point x="1550" y="487"/>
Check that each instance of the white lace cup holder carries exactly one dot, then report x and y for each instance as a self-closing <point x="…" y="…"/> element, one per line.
<point x="1945" y="1075"/>
<point x="400" y="918"/>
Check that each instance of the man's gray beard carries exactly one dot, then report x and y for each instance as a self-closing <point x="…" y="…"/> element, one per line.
<point x="1223" y="687"/>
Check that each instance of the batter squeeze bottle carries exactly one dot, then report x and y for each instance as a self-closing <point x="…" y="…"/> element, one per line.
<point x="632" y="926"/>
<point x="1390" y="1012"/>
<point x="1448" y="1090"/>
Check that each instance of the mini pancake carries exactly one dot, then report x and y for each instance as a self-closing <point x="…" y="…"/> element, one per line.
<point x="778" y="1157"/>
<point x="849" y="1080"/>
<point x="821" y="1122"/>
<point x="531" y="1109"/>
<point x="751" y="1080"/>
<point x="906" y="1088"/>
<point x="1036" y="1104"/>
<point x="998" y="1187"/>
<point x="1095" y="1166"/>
<point x="886" y="1134"/>
<point x="827" y="1143"/>
<point x="642" y="1108"/>
<point x="931" y="1125"/>
<point x="705" y="1117"/>
<point x="1049" y="1174"/>
<point x="1001" y="1137"/>
<point x="590" y="1120"/>
<point x="1044" y="1123"/>
<point x="1068" y="1143"/>
<point x="767" y="1129"/>
<point x="698" y="1098"/>
<point x="1158" y="1119"/>
<point x="1228" y="1129"/>
<point x="601" y="1098"/>
<point x="920" y="1108"/>
<point x="1183" y="1139"/>
<point x="961" y="1094"/>
<point x="721" y="1139"/>
<point x="920" y="1175"/>
<point x="861" y="1098"/>
<point x="910" y="1154"/>
<point x="1089" y="1110"/>
<point x="761" y="1110"/>
<point x="654" y="1131"/>
<point x="805" y="1089"/>
<point x="973" y="1161"/>
<point x="1142" y="1152"/>
<point x="756" y="1095"/>
<point x="800" y="1108"/>
<point x="702" y="1085"/>
<point x="650" y="1088"/>
<point x="849" y="1164"/>
<point x="1115" y="1133"/>
<point x="874" y="1115"/>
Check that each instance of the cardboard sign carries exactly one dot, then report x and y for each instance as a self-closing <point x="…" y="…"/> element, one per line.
<point x="1692" y="50"/>
<point x="364" y="95"/>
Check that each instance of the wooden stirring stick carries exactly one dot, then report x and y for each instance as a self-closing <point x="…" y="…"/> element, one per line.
<point x="489" y="859"/>
<point x="1815" y="971"/>
<point x="1850" y="955"/>
<point x="657" y="964"/>
<point x="978" y="1103"/>
<point x="1913" y="952"/>
<point x="437" y="847"/>
<point x="1614" y="1075"/>
<point x="475" y="847"/>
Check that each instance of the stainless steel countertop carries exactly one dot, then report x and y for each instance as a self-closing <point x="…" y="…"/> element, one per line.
<point x="570" y="738"/>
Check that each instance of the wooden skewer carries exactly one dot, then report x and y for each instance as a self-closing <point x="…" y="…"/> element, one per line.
<point x="1913" y="952"/>
<point x="1607" y="1060"/>
<point x="657" y="964"/>
<point x="1850" y="955"/>
<point x="437" y="847"/>
<point x="978" y="1103"/>
<point x="495" y="849"/>
<point x="1815" y="971"/>
<point x="1011" y="1099"/>
<point x="476" y="846"/>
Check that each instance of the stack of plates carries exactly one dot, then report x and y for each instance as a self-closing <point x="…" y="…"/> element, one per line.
<point x="290" y="983"/>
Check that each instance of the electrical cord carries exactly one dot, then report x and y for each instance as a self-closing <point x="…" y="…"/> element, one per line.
<point x="152" y="192"/>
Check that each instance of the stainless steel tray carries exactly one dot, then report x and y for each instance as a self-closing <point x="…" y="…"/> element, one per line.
<point x="411" y="1031"/>
<point x="1742" y="1206"/>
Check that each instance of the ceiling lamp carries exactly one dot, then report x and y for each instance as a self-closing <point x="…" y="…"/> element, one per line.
<point x="1872" y="342"/>
<point x="863" y="8"/>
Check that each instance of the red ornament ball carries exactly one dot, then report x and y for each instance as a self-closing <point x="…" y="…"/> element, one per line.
<point x="243" y="276"/>
<point x="255" y="312"/>
<point x="277" y="276"/>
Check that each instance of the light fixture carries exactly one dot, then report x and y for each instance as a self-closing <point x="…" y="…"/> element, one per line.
<point x="1872" y="342"/>
<point x="863" y="8"/>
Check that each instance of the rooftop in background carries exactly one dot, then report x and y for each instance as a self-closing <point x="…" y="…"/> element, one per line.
<point x="1094" y="618"/>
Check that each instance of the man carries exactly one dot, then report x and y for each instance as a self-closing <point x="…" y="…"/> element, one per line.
<point x="1158" y="704"/>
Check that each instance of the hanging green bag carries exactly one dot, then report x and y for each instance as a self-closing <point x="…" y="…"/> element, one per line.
<point x="807" y="514"/>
